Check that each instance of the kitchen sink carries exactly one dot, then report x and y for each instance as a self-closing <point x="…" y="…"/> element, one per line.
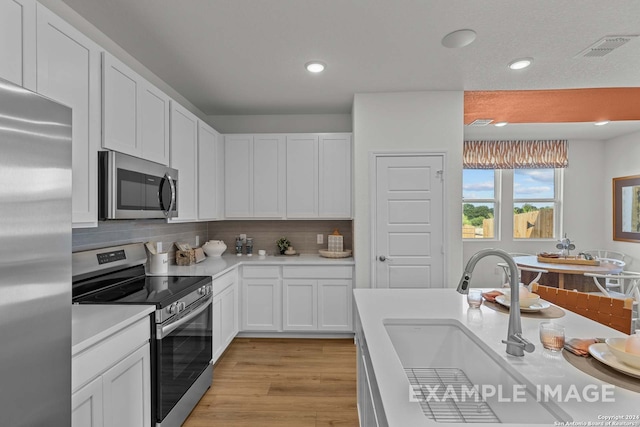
<point x="455" y="377"/>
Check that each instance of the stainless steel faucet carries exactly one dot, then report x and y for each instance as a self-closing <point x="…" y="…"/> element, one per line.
<point x="516" y="343"/>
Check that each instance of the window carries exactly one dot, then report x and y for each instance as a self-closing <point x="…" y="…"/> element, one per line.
<point x="479" y="203"/>
<point x="534" y="203"/>
<point x="530" y="173"/>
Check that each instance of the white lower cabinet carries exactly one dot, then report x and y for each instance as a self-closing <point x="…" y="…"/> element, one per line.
<point x="111" y="381"/>
<point x="225" y="312"/>
<point x="297" y="298"/>
<point x="86" y="405"/>
<point x="317" y="298"/>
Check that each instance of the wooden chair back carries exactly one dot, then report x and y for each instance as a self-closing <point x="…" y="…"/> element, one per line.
<point x="613" y="312"/>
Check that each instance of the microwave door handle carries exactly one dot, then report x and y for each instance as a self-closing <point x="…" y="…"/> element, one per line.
<point x="167" y="212"/>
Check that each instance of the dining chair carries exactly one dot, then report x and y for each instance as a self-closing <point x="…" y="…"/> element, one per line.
<point x="613" y="282"/>
<point x="613" y="312"/>
<point x="628" y="281"/>
<point x="605" y="253"/>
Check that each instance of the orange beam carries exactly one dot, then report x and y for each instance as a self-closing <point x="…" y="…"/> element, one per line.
<point x="553" y="106"/>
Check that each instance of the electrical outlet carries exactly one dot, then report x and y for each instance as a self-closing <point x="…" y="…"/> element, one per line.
<point x="243" y="237"/>
<point x="320" y="239"/>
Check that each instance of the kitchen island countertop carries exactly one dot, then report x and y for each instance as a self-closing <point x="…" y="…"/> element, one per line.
<point x="375" y="306"/>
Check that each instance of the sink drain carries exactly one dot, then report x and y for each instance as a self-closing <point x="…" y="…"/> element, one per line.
<point x="439" y="391"/>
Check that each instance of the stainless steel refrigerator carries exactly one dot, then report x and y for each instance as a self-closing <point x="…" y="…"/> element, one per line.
<point x="35" y="259"/>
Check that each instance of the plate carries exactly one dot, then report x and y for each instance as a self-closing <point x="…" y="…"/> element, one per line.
<point x="600" y="351"/>
<point x="539" y="306"/>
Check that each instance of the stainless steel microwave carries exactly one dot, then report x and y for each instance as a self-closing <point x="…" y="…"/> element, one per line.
<point x="133" y="188"/>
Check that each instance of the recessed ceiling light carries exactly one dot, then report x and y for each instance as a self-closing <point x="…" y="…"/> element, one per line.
<point x="519" y="64"/>
<point x="459" y="38"/>
<point x="315" y="66"/>
<point x="500" y="124"/>
<point x="601" y="122"/>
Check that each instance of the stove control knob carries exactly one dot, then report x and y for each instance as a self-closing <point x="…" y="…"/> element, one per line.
<point x="209" y="289"/>
<point x="202" y="290"/>
<point x="181" y="306"/>
<point x="173" y="308"/>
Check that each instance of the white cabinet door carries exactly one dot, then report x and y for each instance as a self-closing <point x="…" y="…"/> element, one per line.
<point x="127" y="391"/>
<point x="302" y="176"/>
<point x="136" y="113"/>
<point x="68" y="71"/>
<point x="229" y="315"/>
<point x="184" y="148"/>
<point x="86" y="405"/>
<point x="300" y="308"/>
<point x="121" y="106"/>
<point x="334" y="176"/>
<point x="269" y="172"/>
<point x="254" y="176"/>
<point x="238" y="167"/>
<point x="225" y="313"/>
<point x="18" y="42"/>
<point x="153" y="117"/>
<point x="261" y="305"/>
<point x="208" y="172"/>
<point x="335" y="305"/>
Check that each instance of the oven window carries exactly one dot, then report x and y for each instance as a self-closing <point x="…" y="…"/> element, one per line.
<point x="182" y="356"/>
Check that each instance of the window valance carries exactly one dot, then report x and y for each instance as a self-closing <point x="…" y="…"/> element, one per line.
<point x="515" y="154"/>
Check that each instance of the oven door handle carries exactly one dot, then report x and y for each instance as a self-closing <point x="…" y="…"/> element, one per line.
<point x="163" y="331"/>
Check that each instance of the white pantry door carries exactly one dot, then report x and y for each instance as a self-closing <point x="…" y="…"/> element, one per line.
<point x="409" y="221"/>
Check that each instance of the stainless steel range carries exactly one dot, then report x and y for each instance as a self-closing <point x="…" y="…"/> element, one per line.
<point x="181" y="347"/>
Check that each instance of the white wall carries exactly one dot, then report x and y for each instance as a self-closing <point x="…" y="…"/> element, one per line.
<point x="408" y="121"/>
<point x="621" y="158"/>
<point x="584" y="209"/>
<point x="282" y="123"/>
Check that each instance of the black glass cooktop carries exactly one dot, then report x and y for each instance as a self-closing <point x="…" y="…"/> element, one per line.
<point x="131" y="286"/>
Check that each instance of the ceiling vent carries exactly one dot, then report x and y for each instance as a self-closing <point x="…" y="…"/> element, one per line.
<point x="605" y="46"/>
<point x="480" y="122"/>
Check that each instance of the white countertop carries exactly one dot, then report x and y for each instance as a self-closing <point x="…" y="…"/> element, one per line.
<point x="212" y="266"/>
<point x="376" y="305"/>
<point x="92" y="323"/>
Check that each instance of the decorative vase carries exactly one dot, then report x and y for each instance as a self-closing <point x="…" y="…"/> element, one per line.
<point x="214" y="248"/>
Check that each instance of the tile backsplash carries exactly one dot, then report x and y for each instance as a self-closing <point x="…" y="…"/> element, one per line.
<point x="120" y="232"/>
<point x="301" y="234"/>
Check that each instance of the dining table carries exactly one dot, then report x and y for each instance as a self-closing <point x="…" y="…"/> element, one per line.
<point x="564" y="276"/>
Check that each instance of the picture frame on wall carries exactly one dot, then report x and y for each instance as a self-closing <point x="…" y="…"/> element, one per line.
<point x="626" y="208"/>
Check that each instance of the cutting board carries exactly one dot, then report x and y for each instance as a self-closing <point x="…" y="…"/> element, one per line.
<point x="569" y="260"/>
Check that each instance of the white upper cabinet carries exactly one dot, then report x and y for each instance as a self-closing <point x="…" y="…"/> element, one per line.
<point x="210" y="173"/>
<point x="255" y="167"/>
<point x="319" y="176"/>
<point x="302" y="176"/>
<point x="334" y="192"/>
<point x="136" y="113"/>
<point x="18" y="42"/>
<point x="68" y="71"/>
<point x="184" y="150"/>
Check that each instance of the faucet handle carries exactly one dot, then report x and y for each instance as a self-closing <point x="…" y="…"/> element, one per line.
<point x="520" y="341"/>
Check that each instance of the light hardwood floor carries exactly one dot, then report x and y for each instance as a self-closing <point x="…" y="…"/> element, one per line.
<point x="281" y="382"/>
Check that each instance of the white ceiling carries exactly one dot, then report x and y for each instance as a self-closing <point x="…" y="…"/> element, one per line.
<point x="248" y="56"/>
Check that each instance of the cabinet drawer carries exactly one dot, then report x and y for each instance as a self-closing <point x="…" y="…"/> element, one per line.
<point x="223" y="282"/>
<point x="261" y="272"/>
<point x="318" y="272"/>
<point x="100" y="357"/>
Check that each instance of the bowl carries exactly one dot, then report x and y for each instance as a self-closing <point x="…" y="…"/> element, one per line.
<point x="616" y="346"/>
<point x="528" y="300"/>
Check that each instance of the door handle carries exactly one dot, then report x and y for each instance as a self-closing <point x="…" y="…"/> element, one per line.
<point x="384" y="258"/>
